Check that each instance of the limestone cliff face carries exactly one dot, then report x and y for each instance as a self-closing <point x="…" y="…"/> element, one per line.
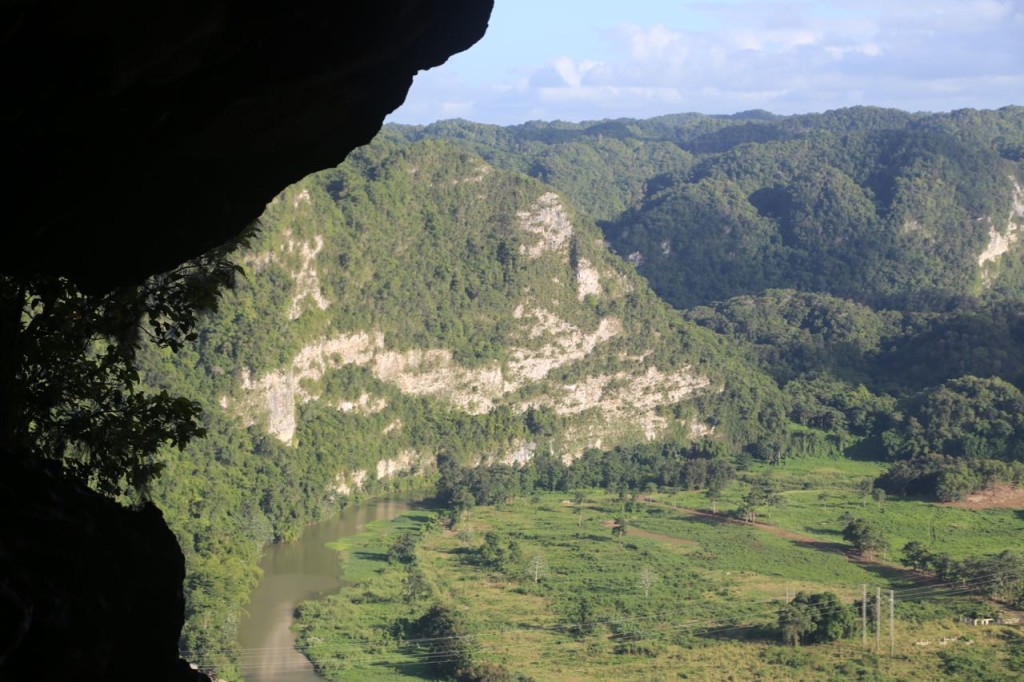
<point x="559" y="319"/>
<point x="1000" y="241"/>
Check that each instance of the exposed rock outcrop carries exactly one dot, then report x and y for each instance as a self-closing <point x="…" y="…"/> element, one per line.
<point x="999" y="242"/>
<point x="430" y="372"/>
<point x="307" y="282"/>
<point x="548" y="223"/>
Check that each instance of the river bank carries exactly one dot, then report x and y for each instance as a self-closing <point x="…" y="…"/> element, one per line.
<point x="294" y="572"/>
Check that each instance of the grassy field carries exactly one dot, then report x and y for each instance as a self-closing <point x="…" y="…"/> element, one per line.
<point x="679" y="596"/>
<point x="817" y="493"/>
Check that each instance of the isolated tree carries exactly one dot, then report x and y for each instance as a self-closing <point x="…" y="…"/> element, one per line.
<point x="578" y="499"/>
<point x="795" y="622"/>
<point x="815" y="619"/>
<point x="414" y="585"/>
<point x="499" y="553"/>
<point x="714" y="495"/>
<point x="865" y="536"/>
<point x="622" y="495"/>
<point x="492" y="552"/>
<point x="619" y="528"/>
<point x="402" y="550"/>
<point x="917" y="556"/>
<point x="864" y="488"/>
<point x="633" y="502"/>
<point x="763" y="491"/>
<point x="579" y="616"/>
<point x="719" y="474"/>
<point x="951" y="570"/>
<point x="833" y="619"/>
<point x="453" y="485"/>
<point x="463" y="503"/>
<point x="442" y="636"/>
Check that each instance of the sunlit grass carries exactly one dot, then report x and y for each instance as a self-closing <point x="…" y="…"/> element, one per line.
<point x="819" y="494"/>
<point x="708" y="614"/>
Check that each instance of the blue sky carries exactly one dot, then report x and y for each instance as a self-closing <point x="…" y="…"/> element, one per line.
<point x="591" y="59"/>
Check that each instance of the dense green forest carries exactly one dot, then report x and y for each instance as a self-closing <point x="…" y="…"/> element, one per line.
<point x="740" y="288"/>
<point x="874" y="205"/>
<point x="865" y="257"/>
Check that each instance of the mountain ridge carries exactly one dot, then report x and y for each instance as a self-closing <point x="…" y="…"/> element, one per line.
<point x="842" y="202"/>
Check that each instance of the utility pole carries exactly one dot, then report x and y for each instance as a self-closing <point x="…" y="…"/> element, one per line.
<point x="892" y="623"/>
<point x="878" y="620"/>
<point x="864" y="616"/>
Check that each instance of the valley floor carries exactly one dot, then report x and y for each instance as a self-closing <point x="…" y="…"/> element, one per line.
<point x="682" y="594"/>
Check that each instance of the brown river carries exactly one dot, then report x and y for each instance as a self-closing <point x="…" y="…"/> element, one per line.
<point x="292" y="573"/>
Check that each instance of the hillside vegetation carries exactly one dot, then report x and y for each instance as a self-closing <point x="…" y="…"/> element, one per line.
<point x="875" y="205"/>
<point x="731" y="288"/>
<point x="412" y="301"/>
<point x="868" y="258"/>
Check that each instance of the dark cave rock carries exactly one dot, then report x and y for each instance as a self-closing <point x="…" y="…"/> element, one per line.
<point x="89" y="590"/>
<point x="138" y="135"/>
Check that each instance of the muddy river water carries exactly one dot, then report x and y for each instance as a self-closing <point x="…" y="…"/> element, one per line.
<point x="292" y="573"/>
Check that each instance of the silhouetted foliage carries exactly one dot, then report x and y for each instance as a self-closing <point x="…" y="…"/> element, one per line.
<point x="71" y="385"/>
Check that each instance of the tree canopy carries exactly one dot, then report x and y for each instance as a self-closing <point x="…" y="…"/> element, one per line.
<point x="816" y="619"/>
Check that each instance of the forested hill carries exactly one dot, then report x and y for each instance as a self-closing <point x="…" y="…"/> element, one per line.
<point x="875" y="205"/>
<point x="418" y="301"/>
<point x="869" y="259"/>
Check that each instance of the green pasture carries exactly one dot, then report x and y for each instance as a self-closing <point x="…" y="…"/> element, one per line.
<point x="707" y="609"/>
<point x="818" y="494"/>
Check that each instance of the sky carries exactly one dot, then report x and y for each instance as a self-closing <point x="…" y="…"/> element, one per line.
<point x="576" y="60"/>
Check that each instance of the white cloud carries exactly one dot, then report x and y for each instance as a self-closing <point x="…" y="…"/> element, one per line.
<point x="868" y="49"/>
<point x="572" y="73"/>
<point x="649" y="43"/>
<point x="601" y="93"/>
<point x="777" y="40"/>
<point x="457" y="109"/>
